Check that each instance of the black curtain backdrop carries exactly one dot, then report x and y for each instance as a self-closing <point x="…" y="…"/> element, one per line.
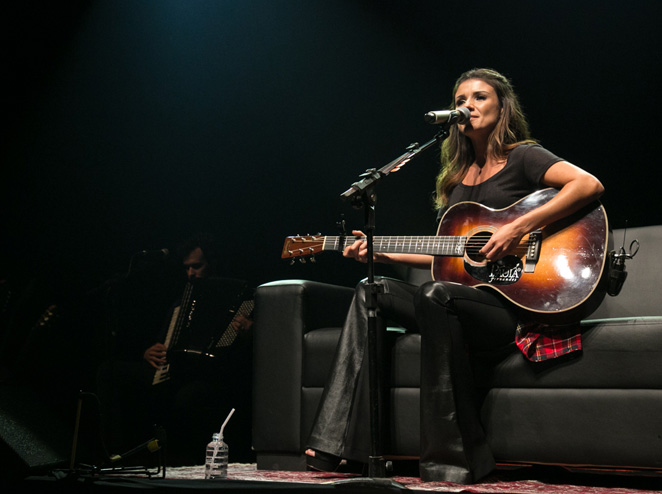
<point x="130" y="125"/>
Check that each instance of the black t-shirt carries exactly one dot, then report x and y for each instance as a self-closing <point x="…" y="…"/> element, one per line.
<point x="522" y="175"/>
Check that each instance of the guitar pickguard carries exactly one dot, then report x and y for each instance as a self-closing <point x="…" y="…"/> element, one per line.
<point x="505" y="271"/>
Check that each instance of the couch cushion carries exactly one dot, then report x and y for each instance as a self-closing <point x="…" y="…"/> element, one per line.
<point x="608" y="427"/>
<point x="618" y="353"/>
<point x="406" y="361"/>
<point x="640" y="294"/>
<point x="319" y="347"/>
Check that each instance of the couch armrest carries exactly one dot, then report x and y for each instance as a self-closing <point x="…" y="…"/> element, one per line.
<point x="284" y="312"/>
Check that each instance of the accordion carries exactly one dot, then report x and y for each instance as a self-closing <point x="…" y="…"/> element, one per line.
<point x="201" y="325"/>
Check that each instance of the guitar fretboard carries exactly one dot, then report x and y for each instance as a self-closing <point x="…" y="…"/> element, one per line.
<point x="433" y="245"/>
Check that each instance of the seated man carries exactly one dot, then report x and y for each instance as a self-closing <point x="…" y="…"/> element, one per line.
<point x="193" y="375"/>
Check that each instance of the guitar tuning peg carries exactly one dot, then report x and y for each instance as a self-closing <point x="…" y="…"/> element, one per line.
<point x="313" y="260"/>
<point x="292" y="262"/>
<point x="302" y="260"/>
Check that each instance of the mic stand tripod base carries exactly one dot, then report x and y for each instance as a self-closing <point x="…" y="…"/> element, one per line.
<point x="377" y="467"/>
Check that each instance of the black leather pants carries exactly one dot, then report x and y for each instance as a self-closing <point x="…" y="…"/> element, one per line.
<point x="451" y="318"/>
<point x="454" y="320"/>
<point x="342" y="424"/>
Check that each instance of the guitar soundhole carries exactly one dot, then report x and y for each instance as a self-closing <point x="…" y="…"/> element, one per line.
<point x="474" y="244"/>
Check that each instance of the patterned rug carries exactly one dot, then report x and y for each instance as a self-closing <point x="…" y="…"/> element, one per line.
<point x="531" y="480"/>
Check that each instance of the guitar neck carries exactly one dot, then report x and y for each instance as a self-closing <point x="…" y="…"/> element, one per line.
<point x="432" y="245"/>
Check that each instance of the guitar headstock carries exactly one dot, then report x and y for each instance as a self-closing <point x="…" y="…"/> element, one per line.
<point x="302" y="246"/>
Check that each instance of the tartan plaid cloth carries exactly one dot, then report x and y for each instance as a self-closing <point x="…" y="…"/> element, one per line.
<point x="539" y="342"/>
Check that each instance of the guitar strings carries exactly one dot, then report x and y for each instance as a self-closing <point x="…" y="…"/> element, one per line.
<point x="472" y="244"/>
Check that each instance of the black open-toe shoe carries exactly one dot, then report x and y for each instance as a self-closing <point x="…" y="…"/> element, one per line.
<point x="323" y="462"/>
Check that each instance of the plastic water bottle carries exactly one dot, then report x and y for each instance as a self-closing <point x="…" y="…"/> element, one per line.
<point x="216" y="464"/>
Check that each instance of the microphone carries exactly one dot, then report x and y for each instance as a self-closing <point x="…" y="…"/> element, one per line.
<point x="156" y="254"/>
<point x="617" y="272"/>
<point x="457" y="116"/>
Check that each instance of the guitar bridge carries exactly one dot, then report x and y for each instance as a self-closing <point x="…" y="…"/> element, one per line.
<point x="533" y="251"/>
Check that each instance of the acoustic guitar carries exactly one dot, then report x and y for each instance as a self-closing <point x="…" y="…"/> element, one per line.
<point x="557" y="274"/>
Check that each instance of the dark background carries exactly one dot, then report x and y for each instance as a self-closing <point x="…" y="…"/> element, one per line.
<point x="130" y="125"/>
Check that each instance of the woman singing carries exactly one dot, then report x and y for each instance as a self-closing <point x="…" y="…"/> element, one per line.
<point x="490" y="160"/>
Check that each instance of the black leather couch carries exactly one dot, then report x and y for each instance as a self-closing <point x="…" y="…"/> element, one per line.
<point x="602" y="409"/>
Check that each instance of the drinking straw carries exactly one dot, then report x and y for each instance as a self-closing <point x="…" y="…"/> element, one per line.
<point x="226" y="421"/>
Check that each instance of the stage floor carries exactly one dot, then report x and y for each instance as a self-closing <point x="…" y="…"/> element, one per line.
<point x="246" y="478"/>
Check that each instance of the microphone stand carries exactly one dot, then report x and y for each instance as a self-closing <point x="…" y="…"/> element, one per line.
<point x="361" y="194"/>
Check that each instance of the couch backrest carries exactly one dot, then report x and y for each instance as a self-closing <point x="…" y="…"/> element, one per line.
<point x="642" y="292"/>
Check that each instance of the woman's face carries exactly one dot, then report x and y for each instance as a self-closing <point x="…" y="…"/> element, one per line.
<point x="481" y="99"/>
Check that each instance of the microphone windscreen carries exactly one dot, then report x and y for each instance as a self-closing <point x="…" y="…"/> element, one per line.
<point x="465" y="114"/>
